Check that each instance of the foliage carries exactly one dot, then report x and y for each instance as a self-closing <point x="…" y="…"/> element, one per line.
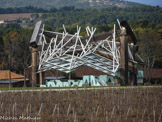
<point x="150" y="44"/>
<point x="98" y="17"/>
<point x="22" y="53"/>
<point x="48" y="4"/>
<point x="95" y="17"/>
<point x="15" y="43"/>
<point x="152" y="47"/>
<point x="28" y="9"/>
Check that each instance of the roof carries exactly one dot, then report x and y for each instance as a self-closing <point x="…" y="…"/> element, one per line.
<point x="54" y="78"/>
<point x="4" y="75"/>
<point x="7" y="81"/>
<point x="155" y="73"/>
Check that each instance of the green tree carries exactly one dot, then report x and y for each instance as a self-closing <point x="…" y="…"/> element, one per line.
<point x="9" y="48"/>
<point x="142" y="23"/>
<point x="22" y="52"/>
<point x="16" y="46"/>
<point x="150" y="50"/>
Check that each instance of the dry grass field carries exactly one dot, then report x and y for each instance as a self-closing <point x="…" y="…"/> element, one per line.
<point x="10" y="17"/>
<point x="143" y="104"/>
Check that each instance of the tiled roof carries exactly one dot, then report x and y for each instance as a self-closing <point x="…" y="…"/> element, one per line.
<point x="4" y="75"/>
<point x="7" y="81"/>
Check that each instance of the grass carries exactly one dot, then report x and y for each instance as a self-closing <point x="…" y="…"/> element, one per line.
<point x="39" y="88"/>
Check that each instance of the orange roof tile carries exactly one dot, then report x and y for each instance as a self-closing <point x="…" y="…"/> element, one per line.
<point x="4" y="75"/>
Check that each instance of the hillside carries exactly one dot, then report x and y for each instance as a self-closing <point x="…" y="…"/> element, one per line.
<point x="102" y="16"/>
<point x="149" y="2"/>
<point x="47" y="4"/>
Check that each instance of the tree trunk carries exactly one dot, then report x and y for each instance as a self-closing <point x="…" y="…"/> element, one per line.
<point x="150" y="70"/>
<point x="24" y="76"/>
<point x="9" y="71"/>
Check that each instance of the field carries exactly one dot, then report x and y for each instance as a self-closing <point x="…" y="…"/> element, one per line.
<point x="11" y="17"/>
<point x="132" y="104"/>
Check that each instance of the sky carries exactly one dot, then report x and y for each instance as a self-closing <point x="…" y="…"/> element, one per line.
<point x="149" y="2"/>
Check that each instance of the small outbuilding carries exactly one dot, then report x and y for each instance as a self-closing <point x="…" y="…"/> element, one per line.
<point x="17" y="80"/>
<point x="2" y="21"/>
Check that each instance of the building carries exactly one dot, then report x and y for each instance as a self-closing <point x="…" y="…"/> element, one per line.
<point x="155" y="76"/>
<point x="85" y="76"/>
<point x="2" y="21"/>
<point x="17" y="80"/>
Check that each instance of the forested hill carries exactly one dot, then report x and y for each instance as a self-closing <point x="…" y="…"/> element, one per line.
<point x="47" y="4"/>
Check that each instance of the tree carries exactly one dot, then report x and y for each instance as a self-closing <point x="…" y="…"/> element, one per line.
<point x="1" y="46"/>
<point x="150" y="50"/>
<point x="142" y="23"/>
<point x="34" y="16"/>
<point x="22" y="53"/>
<point x="10" y="41"/>
<point x="9" y="46"/>
<point x="16" y="45"/>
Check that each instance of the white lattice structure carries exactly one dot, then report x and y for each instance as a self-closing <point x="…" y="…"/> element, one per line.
<point x="66" y="52"/>
<point x="67" y="55"/>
